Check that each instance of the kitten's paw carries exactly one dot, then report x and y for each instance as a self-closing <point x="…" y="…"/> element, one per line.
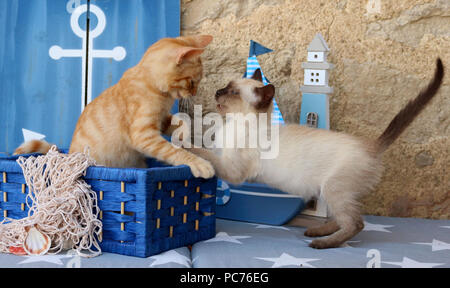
<point x="202" y="168"/>
<point x="312" y="232"/>
<point x="322" y="230"/>
<point x="324" y="243"/>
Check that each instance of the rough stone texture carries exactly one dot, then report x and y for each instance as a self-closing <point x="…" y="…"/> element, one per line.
<point x="384" y="52"/>
<point x="423" y="159"/>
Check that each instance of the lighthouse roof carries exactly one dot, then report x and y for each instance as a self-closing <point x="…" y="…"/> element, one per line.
<point x="318" y="44"/>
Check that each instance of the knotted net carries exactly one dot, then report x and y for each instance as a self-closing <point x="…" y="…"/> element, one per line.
<point x="61" y="205"/>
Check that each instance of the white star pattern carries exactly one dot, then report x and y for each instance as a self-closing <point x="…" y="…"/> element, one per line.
<point x="376" y="227"/>
<point x="288" y="260"/>
<point x="345" y="245"/>
<point x="170" y="256"/>
<point x="409" y="263"/>
<point x="54" y="259"/>
<point x="436" y="245"/>
<point x="224" y="237"/>
<point x="271" y="227"/>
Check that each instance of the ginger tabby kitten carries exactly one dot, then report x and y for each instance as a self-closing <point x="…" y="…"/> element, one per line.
<point x="123" y="125"/>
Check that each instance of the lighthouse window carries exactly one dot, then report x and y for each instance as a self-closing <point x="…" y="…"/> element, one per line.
<point x="312" y="74"/>
<point x="317" y="80"/>
<point x="317" y="74"/>
<point x="312" y="80"/>
<point x="315" y="56"/>
<point x="312" y="119"/>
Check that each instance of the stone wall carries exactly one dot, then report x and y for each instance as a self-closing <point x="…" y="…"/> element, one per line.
<point x="384" y="52"/>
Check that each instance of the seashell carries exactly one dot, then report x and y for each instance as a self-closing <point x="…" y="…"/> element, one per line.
<point x="36" y="242"/>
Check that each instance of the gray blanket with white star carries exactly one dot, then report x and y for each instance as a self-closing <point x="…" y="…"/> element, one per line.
<point x="384" y="242"/>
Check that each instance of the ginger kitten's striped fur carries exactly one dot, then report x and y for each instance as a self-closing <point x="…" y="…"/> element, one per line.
<point x="123" y="125"/>
<point x="312" y="162"/>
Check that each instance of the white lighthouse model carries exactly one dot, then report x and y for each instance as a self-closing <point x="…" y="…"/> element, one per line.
<point x="315" y="108"/>
<point x="315" y="101"/>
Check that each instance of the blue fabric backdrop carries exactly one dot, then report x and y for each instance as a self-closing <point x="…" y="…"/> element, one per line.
<point x="44" y="95"/>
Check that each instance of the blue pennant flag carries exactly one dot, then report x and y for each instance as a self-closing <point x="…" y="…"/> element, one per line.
<point x="257" y="49"/>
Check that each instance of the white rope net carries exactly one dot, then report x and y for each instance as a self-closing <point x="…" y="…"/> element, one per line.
<point x="62" y="206"/>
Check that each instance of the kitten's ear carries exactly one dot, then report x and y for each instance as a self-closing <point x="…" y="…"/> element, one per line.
<point x="201" y="41"/>
<point x="186" y="53"/>
<point x="257" y="75"/>
<point x="266" y="94"/>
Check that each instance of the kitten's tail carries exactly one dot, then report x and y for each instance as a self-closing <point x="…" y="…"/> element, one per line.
<point x="411" y="110"/>
<point x="33" y="146"/>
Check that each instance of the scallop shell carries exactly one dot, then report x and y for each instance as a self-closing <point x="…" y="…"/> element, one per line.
<point x="36" y="242"/>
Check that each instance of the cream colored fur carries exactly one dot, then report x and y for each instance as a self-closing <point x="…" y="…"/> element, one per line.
<point x="311" y="163"/>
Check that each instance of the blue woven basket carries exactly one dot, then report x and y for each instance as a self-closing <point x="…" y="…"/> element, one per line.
<point x="144" y="211"/>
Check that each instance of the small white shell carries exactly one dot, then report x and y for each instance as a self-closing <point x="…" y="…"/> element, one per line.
<point x="36" y="242"/>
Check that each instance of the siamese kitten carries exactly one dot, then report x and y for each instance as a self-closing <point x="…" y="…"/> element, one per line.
<point x="338" y="167"/>
<point x="123" y="125"/>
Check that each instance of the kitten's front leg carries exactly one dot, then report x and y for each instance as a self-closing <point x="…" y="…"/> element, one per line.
<point x="225" y="167"/>
<point x="152" y="144"/>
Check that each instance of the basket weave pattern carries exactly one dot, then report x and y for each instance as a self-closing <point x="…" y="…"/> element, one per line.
<point x="144" y="211"/>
